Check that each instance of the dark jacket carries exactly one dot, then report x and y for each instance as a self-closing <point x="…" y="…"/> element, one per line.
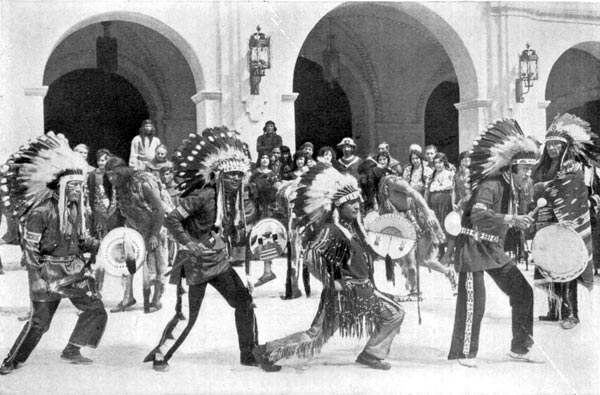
<point x="193" y="220"/>
<point x="266" y="142"/>
<point x="47" y="253"/>
<point x="484" y="212"/>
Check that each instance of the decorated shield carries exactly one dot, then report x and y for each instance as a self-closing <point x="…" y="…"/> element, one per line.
<point x="391" y="234"/>
<point x="559" y="253"/>
<point x="268" y="239"/>
<point x="117" y="247"/>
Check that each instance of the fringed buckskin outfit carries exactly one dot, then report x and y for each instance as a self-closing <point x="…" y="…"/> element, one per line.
<point x="337" y="252"/>
<point x="479" y="247"/>
<point x="147" y="217"/>
<point x="358" y="310"/>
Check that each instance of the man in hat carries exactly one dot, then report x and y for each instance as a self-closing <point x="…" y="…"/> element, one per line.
<point x="560" y="180"/>
<point x="202" y="222"/>
<point x="328" y="209"/>
<point x="348" y="163"/>
<point x="143" y="146"/>
<point x="308" y="150"/>
<point x="501" y="160"/>
<point x="45" y="184"/>
<point x="139" y="202"/>
<point x="269" y="139"/>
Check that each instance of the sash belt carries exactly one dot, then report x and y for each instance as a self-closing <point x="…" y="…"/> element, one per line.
<point x="58" y="259"/>
<point x="479" y="235"/>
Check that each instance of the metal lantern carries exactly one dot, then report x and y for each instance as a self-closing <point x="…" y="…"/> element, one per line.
<point x="528" y="72"/>
<point x="331" y="59"/>
<point x="259" y="58"/>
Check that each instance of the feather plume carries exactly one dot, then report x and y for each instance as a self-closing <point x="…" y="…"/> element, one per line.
<point x="578" y="136"/>
<point x="31" y="175"/>
<point x="497" y="146"/>
<point x="204" y="156"/>
<point x="316" y="194"/>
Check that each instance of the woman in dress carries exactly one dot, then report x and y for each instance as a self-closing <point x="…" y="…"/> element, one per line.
<point x="416" y="173"/>
<point x="439" y="191"/>
<point x="299" y="167"/>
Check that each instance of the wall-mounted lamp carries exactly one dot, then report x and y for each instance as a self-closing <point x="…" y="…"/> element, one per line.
<point x="528" y="72"/>
<point x="331" y="59"/>
<point x="106" y="51"/>
<point x="259" y="58"/>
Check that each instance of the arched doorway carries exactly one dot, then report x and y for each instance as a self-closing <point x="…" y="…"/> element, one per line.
<point x="574" y="85"/>
<point x="382" y="73"/>
<point x="441" y="119"/>
<point x="102" y="110"/>
<point x="322" y="110"/>
<point x="153" y="68"/>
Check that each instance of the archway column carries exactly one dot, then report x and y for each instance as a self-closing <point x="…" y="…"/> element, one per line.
<point x="286" y="120"/>
<point x="208" y="109"/>
<point x="35" y="110"/>
<point x="473" y="116"/>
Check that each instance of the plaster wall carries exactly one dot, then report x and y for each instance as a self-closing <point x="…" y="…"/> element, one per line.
<point x="481" y="40"/>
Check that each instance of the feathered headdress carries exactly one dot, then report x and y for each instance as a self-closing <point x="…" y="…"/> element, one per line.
<point x="500" y="145"/>
<point x="203" y="158"/>
<point x="320" y="190"/>
<point x="39" y="169"/>
<point x="578" y="137"/>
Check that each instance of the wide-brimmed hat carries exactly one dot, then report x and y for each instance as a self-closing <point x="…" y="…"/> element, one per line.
<point x="346" y="141"/>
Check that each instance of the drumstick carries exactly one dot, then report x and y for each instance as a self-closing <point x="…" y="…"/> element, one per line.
<point x="541" y="202"/>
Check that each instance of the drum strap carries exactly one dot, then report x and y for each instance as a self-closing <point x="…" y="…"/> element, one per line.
<point x="479" y="235"/>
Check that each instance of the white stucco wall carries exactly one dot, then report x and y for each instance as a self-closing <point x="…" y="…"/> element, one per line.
<point x="482" y="40"/>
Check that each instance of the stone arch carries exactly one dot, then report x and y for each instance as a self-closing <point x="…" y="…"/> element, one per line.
<point x="150" y="22"/>
<point x="573" y="83"/>
<point x="127" y="69"/>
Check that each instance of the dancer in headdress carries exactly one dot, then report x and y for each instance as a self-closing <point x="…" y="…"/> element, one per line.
<point x="203" y="221"/>
<point x="560" y="180"/>
<point x="327" y="207"/>
<point x="501" y="159"/>
<point x="43" y="189"/>
<point x="397" y="196"/>
<point x="140" y="202"/>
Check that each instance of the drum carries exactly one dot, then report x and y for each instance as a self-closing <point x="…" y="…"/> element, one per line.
<point x="268" y="239"/>
<point x="391" y="234"/>
<point x="452" y="223"/>
<point x="118" y="244"/>
<point x="559" y="253"/>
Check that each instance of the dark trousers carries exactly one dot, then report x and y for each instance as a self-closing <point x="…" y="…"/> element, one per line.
<point x="231" y="287"/>
<point x="470" y="307"/>
<point x="88" y="329"/>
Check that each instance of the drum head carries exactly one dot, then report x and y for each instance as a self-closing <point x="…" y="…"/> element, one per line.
<point x="559" y="253"/>
<point x="114" y="248"/>
<point x="268" y="239"/>
<point x="452" y="223"/>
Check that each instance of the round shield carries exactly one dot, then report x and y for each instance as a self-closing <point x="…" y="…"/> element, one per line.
<point x="370" y="217"/>
<point x="268" y="239"/>
<point x="116" y="246"/>
<point x="452" y="223"/>
<point x="391" y="234"/>
<point x="559" y="253"/>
